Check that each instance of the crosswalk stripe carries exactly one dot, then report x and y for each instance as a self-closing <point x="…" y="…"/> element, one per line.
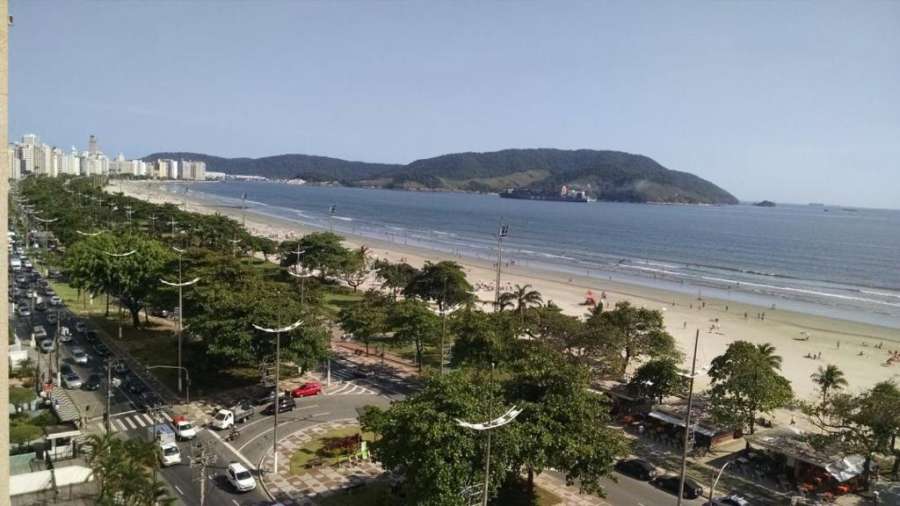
<point x="139" y="421"/>
<point x="101" y="427"/>
<point x="146" y="418"/>
<point x="130" y="423"/>
<point x="166" y="416"/>
<point x="118" y="423"/>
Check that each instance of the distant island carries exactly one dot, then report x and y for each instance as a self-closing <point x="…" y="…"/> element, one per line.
<point x="536" y="174"/>
<point x="765" y="203"/>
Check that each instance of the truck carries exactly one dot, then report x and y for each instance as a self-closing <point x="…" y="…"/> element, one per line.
<point x="184" y="429"/>
<point x="169" y="454"/>
<point x="239" y="413"/>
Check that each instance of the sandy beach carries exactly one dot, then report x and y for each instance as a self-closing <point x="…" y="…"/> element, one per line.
<point x="860" y="350"/>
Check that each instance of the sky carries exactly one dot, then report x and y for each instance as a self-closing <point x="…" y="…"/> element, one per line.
<point x="788" y="101"/>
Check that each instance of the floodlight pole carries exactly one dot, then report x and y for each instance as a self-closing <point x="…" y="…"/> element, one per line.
<point x="276" y="405"/>
<point x="502" y="231"/>
<point x="687" y="420"/>
<point x="716" y="481"/>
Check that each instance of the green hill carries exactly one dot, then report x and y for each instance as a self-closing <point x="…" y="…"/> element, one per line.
<point x="605" y="175"/>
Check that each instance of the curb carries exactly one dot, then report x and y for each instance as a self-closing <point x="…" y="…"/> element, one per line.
<point x="259" y="466"/>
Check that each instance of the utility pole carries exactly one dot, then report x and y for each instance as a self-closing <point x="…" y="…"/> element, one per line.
<point x="108" y="393"/>
<point x="502" y="231"/>
<point x="202" y="459"/>
<point x="179" y="329"/>
<point x="687" y="420"/>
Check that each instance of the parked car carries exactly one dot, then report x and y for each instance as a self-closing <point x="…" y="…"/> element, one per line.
<point x="65" y="335"/>
<point x="40" y="306"/>
<point x="307" y="390"/>
<point x="66" y="369"/>
<point x="80" y="356"/>
<point x="94" y="382"/>
<point x="729" y="500"/>
<point x="24" y="311"/>
<point x="101" y="350"/>
<point x="91" y="336"/>
<point x="636" y="468"/>
<point x="135" y="386"/>
<point x="267" y="398"/>
<point x="239" y="477"/>
<point x="40" y="333"/>
<point x="46" y="345"/>
<point x="670" y="484"/>
<point x="285" y="404"/>
<point x="147" y="401"/>
<point x="52" y="318"/>
<point x="80" y="327"/>
<point x="55" y="300"/>
<point x="71" y="380"/>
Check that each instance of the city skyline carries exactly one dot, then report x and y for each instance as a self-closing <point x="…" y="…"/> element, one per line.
<point x="805" y="113"/>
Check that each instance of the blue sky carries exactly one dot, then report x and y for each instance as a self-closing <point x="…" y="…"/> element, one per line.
<point x="789" y="101"/>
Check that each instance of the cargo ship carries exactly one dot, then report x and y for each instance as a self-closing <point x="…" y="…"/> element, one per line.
<point x="565" y="194"/>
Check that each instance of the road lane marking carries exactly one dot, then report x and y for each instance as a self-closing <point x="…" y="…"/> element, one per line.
<point x="146" y="417"/>
<point x="234" y="451"/>
<point x="166" y="416"/>
<point x="131" y="423"/>
<point x="120" y="425"/>
<point x="235" y="502"/>
<point x="324" y="413"/>
<point x="178" y="489"/>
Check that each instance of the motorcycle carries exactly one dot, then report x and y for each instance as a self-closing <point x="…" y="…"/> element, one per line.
<point x="233" y="435"/>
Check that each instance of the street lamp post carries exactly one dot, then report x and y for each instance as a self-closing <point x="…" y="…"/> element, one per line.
<point x="277" y="333"/>
<point x="715" y="482"/>
<point x="687" y="419"/>
<point x="117" y="255"/>
<point x="502" y="232"/>
<point x="506" y="418"/>
<point x="180" y="327"/>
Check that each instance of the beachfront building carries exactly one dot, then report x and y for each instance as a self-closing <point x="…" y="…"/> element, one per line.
<point x="193" y="170"/>
<point x="30" y="156"/>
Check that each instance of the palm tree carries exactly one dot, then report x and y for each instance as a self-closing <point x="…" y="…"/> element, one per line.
<point x="767" y="351"/>
<point x="829" y="378"/>
<point x="523" y="297"/>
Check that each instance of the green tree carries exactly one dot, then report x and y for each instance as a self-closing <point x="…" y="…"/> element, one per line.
<point x="412" y="321"/>
<point x="562" y="426"/>
<point x="829" y="379"/>
<point x="354" y="270"/>
<point x="480" y="338"/>
<point x="657" y="379"/>
<point x="321" y="252"/>
<point x="394" y="276"/>
<point x="443" y="283"/>
<point x="365" y="319"/>
<point x="640" y="331"/>
<point x="522" y="298"/>
<point x="124" y="471"/>
<point x="745" y="383"/>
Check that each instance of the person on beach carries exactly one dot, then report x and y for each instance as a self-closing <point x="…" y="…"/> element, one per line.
<point x="838" y="345"/>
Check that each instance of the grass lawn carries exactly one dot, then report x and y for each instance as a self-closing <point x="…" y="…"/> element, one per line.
<point x="333" y="301"/>
<point x="313" y="449"/>
<point x="153" y="344"/>
<point x="372" y="494"/>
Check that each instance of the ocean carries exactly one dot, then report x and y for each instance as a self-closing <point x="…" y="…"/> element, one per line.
<point x="822" y="260"/>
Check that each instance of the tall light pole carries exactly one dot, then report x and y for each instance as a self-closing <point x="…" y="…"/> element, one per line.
<point x="502" y="232"/>
<point x="117" y="255"/>
<point x="687" y="418"/>
<point x="180" y="328"/>
<point x="277" y="404"/>
<point x="504" y="419"/>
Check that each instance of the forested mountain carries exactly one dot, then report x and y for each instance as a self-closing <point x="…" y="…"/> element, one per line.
<point x="606" y="175"/>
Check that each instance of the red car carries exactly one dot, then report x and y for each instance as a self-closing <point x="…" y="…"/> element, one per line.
<point x="307" y="390"/>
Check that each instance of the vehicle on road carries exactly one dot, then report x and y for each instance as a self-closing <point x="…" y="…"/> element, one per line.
<point x="55" y="300"/>
<point x="46" y="345"/>
<point x="52" y="318"/>
<point x="119" y="368"/>
<point x="80" y="327"/>
<point x="670" y="484"/>
<point x="93" y="383"/>
<point x="184" y="428"/>
<point x="66" y="369"/>
<point x="239" y="477"/>
<point x="39" y="332"/>
<point x="24" y="311"/>
<point x="729" y="500"/>
<point x="40" y="306"/>
<point x="101" y="350"/>
<point x="71" y="380"/>
<point x="285" y="404"/>
<point x="239" y="413"/>
<point x="636" y="468"/>
<point x="168" y="447"/>
<point x="135" y="386"/>
<point x="267" y="398"/>
<point x="79" y="355"/>
<point x="65" y="335"/>
<point x="307" y="390"/>
<point x="148" y="401"/>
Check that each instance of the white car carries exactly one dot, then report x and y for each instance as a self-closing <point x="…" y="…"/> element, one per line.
<point x="184" y="429"/>
<point x="239" y="477"/>
<point x="55" y="300"/>
<point x="24" y="311"/>
<point x="65" y="335"/>
<point x="46" y="345"/>
<point x="169" y="454"/>
<point x="40" y="333"/>
<point x="731" y="500"/>
<point x="80" y="356"/>
<point x="71" y="380"/>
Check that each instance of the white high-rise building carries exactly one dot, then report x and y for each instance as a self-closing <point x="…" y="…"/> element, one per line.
<point x="193" y="170"/>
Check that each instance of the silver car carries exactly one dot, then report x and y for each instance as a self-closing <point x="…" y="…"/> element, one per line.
<point x="80" y="356"/>
<point x="46" y="345"/>
<point x="71" y="380"/>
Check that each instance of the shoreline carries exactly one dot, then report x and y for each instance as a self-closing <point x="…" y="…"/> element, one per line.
<point x="795" y="334"/>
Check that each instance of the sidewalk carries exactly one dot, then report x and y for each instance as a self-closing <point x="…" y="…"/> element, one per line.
<point x="302" y="489"/>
